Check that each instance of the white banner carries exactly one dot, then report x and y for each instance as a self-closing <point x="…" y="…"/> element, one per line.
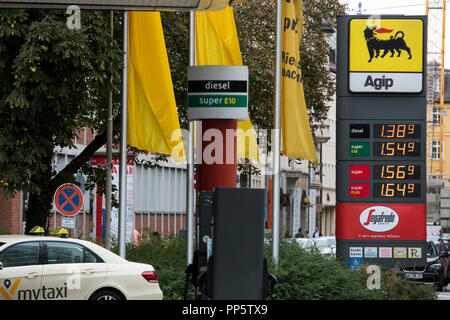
<point x="385" y="82"/>
<point x="312" y="212"/>
<point x="296" y="207"/>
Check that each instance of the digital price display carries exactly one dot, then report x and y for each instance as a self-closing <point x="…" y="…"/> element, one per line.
<point x="397" y="172"/>
<point x="396" y="131"/>
<point x="396" y="190"/>
<point x="381" y="181"/>
<point x="396" y="149"/>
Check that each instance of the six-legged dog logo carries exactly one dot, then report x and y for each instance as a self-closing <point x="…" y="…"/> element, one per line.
<point x="394" y="43"/>
<point x="11" y="289"/>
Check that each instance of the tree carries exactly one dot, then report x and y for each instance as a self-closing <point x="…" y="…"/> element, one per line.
<point x="54" y="80"/>
<point x="256" y="29"/>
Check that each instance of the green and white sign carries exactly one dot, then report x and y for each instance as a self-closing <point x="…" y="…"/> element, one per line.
<point x="218" y="92"/>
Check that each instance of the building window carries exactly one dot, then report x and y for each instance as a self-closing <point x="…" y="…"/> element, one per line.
<point x="435" y="150"/>
<point x="436" y="115"/>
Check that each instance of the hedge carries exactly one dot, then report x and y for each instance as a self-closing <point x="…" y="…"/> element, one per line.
<point x="301" y="275"/>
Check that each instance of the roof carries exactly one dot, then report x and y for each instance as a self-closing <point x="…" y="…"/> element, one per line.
<point x="102" y="252"/>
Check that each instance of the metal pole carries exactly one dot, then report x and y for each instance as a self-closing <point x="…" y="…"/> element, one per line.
<point x="190" y="158"/>
<point x="108" y="165"/>
<point x="123" y="144"/>
<point x="441" y="96"/>
<point x="276" y="143"/>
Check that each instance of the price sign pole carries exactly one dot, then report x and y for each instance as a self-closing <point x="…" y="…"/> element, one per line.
<point x="381" y="141"/>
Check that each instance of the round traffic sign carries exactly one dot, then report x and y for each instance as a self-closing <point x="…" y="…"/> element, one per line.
<point x="68" y="199"/>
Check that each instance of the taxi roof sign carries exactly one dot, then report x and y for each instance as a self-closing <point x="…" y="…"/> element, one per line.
<point x="60" y="231"/>
<point x="37" y="230"/>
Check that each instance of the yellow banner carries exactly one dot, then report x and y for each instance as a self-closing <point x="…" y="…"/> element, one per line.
<point x="297" y="140"/>
<point x="386" y="45"/>
<point x="153" y="123"/>
<point x="218" y="44"/>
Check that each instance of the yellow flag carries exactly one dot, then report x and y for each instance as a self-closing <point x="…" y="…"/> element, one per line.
<point x="297" y="140"/>
<point x="217" y="43"/>
<point x="153" y="123"/>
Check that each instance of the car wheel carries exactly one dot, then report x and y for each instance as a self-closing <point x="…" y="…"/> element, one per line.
<point x="106" y="295"/>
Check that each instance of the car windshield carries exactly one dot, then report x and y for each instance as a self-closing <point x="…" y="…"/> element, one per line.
<point x="1" y="243"/>
<point x="431" y="250"/>
<point x="322" y="243"/>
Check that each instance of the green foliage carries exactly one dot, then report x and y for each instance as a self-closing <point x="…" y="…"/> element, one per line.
<point x="310" y="276"/>
<point x="51" y="77"/>
<point x="168" y="257"/>
<point x="301" y="275"/>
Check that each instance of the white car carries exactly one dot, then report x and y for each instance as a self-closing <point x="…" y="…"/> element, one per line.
<point x="44" y="268"/>
<point x="305" y="243"/>
<point x="325" y="246"/>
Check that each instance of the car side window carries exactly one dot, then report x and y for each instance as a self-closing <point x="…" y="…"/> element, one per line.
<point x="66" y="252"/>
<point x="21" y="254"/>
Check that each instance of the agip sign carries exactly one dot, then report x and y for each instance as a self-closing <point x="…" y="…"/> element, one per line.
<point x="381" y="141"/>
<point x="386" y="55"/>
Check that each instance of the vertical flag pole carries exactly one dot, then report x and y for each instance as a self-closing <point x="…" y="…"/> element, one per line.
<point x="276" y="143"/>
<point x="190" y="158"/>
<point x="123" y="144"/>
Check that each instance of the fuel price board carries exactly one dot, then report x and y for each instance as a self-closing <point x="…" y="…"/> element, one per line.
<point x="381" y="141"/>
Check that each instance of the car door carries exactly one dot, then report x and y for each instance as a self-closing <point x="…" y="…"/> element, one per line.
<point x="21" y="272"/>
<point x="71" y="271"/>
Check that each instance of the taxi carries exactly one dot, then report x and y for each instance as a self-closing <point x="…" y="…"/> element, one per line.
<point x="46" y="267"/>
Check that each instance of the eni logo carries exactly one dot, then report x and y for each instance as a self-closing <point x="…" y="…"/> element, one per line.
<point x="394" y="44"/>
<point x="10" y="290"/>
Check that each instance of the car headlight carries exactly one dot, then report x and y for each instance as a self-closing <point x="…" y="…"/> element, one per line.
<point x="436" y="266"/>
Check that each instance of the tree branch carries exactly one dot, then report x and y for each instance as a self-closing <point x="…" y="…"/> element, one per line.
<point x="83" y="157"/>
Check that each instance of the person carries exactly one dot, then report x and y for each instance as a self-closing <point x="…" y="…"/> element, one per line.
<point x="136" y="237"/>
<point x="299" y="234"/>
<point x="317" y="233"/>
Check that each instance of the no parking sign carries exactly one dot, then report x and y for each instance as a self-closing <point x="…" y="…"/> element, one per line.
<point x="68" y="199"/>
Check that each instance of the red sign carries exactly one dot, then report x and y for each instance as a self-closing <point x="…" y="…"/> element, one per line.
<point x="359" y="190"/>
<point x="379" y="221"/>
<point x="358" y="172"/>
<point x="68" y="199"/>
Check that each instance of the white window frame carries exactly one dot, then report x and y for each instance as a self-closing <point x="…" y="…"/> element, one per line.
<point x="436" y="150"/>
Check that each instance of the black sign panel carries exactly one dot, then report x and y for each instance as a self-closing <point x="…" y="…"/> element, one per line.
<point x="359" y="130"/>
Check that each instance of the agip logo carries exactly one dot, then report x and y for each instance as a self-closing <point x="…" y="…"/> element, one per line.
<point x="379" y="219"/>
<point x="386" y="50"/>
<point x="394" y="44"/>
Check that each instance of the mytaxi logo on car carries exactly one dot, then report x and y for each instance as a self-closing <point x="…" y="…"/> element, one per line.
<point x="10" y="290"/>
<point x="379" y="219"/>
<point x="42" y="293"/>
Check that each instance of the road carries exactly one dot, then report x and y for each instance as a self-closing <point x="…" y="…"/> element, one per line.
<point x="444" y="295"/>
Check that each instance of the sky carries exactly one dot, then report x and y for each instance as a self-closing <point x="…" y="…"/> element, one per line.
<point x="406" y="7"/>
